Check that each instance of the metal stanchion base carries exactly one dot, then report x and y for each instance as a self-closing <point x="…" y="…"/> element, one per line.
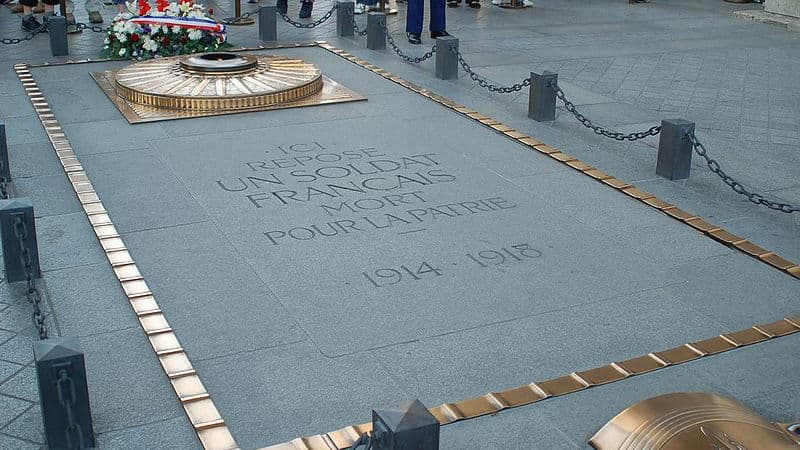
<point x="238" y="22"/>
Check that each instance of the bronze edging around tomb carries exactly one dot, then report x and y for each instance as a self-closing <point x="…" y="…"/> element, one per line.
<point x="713" y="231"/>
<point x="193" y="396"/>
<point x="494" y="402"/>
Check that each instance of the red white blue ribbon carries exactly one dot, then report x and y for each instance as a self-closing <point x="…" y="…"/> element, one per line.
<point x="183" y="22"/>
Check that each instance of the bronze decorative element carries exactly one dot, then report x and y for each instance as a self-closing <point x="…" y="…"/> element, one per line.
<point x="692" y="420"/>
<point x="217" y="83"/>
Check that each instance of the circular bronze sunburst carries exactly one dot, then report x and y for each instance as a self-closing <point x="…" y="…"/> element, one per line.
<point x="218" y="81"/>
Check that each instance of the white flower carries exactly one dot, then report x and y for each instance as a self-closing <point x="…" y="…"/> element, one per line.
<point x="164" y="29"/>
<point x="195" y="35"/>
<point x="118" y="26"/>
<point x="121" y="37"/>
<point x="122" y="51"/>
<point x="150" y="45"/>
<point x="176" y="29"/>
<point x="135" y="53"/>
<point x="106" y="41"/>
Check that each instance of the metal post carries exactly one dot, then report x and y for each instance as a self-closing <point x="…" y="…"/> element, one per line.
<point x="408" y="427"/>
<point x="344" y="18"/>
<point x="64" y="394"/>
<point x="542" y="98"/>
<point x="58" y="36"/>
<point x="376" y="37"/>
<point x="17" y="224"/>
<point x="447" y="58"/>
<point x="5" y="168"/>
<point x="268" y="23"/>
<point x="238" y="20"/>
<point x="675" y="149"/>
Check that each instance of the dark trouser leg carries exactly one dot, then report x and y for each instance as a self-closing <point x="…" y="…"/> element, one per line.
<point x="414" y="16"/>
<point x="438" y="22"/>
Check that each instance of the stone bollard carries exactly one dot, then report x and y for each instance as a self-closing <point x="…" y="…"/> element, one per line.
<point x="408" y="427"/>
<point x="675" y="149"/>
<point x="17" y="225"/>
<point x="57" y="29"/>
<point x="5" y="168"/>
<point x="447" y="58"/>
<point x="376" y="36"/>
<point x="542" y="97"/>
<point x="268" y="23"/>
<point x="344" y="18"/>
<point x="64" y="394"/>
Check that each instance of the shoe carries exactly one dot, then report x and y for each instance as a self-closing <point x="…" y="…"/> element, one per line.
<point x="414" y="38"/>
<point x="305" y="9"/>
<point x="282" y="6"/>
<point x="359" y="8"/>
<point x="435" y="34"/>
<point x="474" y="4"/>
<point x="31" y="24"/>
<point x="453" y="3"/>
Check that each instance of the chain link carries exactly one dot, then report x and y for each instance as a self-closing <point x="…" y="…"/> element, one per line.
<point x="244" y="16"/>
<point x="400" y="53"/>
<point x="484" y="83"/>
<point x="653" y="131"/>
<point x="93" y="28"/>
<point x="31" y="292"/>
<point x="313" y="24"/>
<point x="737" y="187"/>
<point x="67" y="398"/>
<point x="3" y="182"/>
<point x="27" y="37"/>
<point x="355" y="27"/>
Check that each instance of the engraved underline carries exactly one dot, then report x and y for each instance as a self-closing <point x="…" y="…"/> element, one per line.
<point x="411" y="231"/>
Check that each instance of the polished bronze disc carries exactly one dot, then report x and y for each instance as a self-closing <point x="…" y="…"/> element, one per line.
<point x="218" y="82"/>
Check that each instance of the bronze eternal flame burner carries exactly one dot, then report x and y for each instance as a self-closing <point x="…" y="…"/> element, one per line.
<point x="217" y="83"/>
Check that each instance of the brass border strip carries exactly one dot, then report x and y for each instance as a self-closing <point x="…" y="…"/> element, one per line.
<point x="195" y="399"/>
<point x="495" y="402"/>
<point x="707" y="228"/>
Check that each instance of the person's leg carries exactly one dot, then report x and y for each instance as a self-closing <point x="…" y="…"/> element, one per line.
<point x="306" y="6"/>
<point x="414" y="16"/>
<point x="438" y="16"/>
<point x="29" y="22"/>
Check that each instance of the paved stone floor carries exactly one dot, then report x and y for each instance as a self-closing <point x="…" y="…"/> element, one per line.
<point x="625" y="66"/>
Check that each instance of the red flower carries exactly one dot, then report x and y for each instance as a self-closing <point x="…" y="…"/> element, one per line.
<point x="162" y="5"/>
<point x="210" y="11"/>
<point x="165" y="41"/>
<point x="184" y="39"/>
<point x="135" y="37"/>
<point x="144" y="7"/>
<point x="111" y="37"/>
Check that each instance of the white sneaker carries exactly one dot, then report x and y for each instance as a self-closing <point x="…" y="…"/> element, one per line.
<point x="527" y="3"/>
<point x="359" y="8"/>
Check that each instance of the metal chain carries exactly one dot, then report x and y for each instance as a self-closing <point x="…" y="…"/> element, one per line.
<point x="313" y="24"/>
<point x="238" y="19"/>
<point x="94" y="28"/>
<point x="403" y="56"/>
<point x="482" y="82"/>
<point x="27" y="37"/>
<point x="3" y="182"/>
<point x="67" y="398"/>
<point x="31" y="292"/>
<point x="355" y="27"/>
<point x="364" y="440"/>
<point x="653" y="131"/>
<point x="737" y="187"/>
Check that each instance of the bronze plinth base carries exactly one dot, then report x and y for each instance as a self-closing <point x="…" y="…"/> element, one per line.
<point x="693" y="421"/>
